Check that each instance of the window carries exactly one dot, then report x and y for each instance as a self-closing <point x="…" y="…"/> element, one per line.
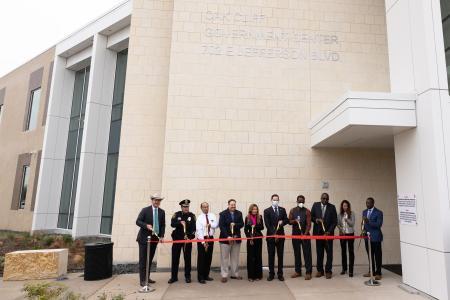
<point x="21" y="181"/>
<point x="24" y="186"/>
<point x="445" y="14"/>
<point x="72" y="160"/>
<point x="33" y="109"/>
<point x="114" y="142"/>
<point x="2" y="101"/>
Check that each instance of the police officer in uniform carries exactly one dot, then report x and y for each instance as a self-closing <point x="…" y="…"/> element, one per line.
<point x="184" y="223"/>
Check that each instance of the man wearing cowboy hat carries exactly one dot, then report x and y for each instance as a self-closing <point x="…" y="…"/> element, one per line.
<point x="152" y="222"/>
<point x="184" y="223"/>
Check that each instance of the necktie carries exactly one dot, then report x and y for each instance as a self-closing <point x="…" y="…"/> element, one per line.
<point x="323" y="211"/>
<point x="155" y="221"/>
<point x="276" y="211"/>
<point x="369" y="212"/>
<point x="207" y="222"/>
<point x="232" y="217"/>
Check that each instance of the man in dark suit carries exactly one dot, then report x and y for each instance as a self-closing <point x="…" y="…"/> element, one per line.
<point x="275" y="218"/>
<point x="230" y="224"/>
<point x="152" y="222"/>
<point x="324" y="217"/>
<point x="184" y="223"/>
<point x="300" y="219"/>
<point x="373" y="220"/>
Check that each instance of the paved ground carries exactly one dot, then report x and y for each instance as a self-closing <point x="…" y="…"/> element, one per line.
<point x="339" y="287"/>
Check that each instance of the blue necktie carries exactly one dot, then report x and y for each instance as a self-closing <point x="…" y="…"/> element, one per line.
<point x="155" y="221"/>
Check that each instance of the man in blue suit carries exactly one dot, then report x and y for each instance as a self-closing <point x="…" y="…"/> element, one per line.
<point x="373" y="220"/>
<point x="230" y="224"/>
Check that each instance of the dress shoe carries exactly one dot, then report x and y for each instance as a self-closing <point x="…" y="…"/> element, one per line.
<point x="146" y="289"/>
<point x="308" y="276"/>
<point x="188" y="280"/>
<point x="202" y="281"/>
<point x="378" y="277"/>
<point x="367" y="274"/>
<point x="343" y="272"/>
<point x="319" y="274"/>
<point x="280" y="277"/>
<point x="251" y="279"/>
<point x="223" y="280"/>
<point x="151" y="281"/>
<point x="270" y="278"/>
<point x="328" y="275"/>
<point x="172" y="280"/>
<point x="350" y="274"/>
<point x="236" y="277"/>
<point x="209" y="279"/>
<point x="295" y="275"/>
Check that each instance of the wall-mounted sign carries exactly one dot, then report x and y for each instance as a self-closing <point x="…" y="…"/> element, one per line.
<point x="407" y="209"/>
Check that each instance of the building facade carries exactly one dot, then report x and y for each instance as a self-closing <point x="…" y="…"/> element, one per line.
<point x="211" y="100"/>
<point x="24" y="95"/>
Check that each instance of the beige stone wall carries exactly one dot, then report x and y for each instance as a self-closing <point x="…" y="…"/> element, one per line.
<point x="245" y="78"/>
<point x="144" y="120"/>
<point x="14" y="141"/>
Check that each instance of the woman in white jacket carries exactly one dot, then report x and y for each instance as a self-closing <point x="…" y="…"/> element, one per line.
<point x="346" y="225"/>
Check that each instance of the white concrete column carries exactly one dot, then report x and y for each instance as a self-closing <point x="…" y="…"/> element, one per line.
<point x="54" y="147"/>
<point x="417" y="63"/>
<point x="94" y="149"/>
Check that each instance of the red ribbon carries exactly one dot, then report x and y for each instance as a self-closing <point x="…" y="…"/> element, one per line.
<point x="287" y="237"/>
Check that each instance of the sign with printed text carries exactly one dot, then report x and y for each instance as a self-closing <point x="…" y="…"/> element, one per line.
<point x="254" y="34"/>
<point x="407" y="209"/>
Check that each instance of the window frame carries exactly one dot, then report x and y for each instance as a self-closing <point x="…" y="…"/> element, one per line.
<point x="23" y="193"/>
<point x="31" y="101"/>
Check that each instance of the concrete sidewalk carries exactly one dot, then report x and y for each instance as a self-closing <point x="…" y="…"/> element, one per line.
<point x="339" y="287"/>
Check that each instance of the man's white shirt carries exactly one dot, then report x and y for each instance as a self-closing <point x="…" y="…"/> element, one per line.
<point x="201" y="225"/>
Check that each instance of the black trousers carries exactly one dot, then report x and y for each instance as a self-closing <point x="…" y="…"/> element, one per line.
<point x="277" y="246"/>
<point x="204" y="259"/>
<point x="143" y="259"/>
<point x="377" y="256"/>
<point x="254" y="259"/>
<point x="298" y="245"/>
<point x="350" y="244"/>
<point x="321" y="247"/>
<point x="176" y="251"/>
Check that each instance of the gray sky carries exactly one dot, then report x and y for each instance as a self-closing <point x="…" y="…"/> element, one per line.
<point x="29" y="27"/>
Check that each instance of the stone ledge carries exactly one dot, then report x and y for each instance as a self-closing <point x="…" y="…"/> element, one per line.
<point x="35" y="264"/>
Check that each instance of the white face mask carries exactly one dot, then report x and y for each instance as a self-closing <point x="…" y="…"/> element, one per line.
<point x="301" y="205"/>
<point x="275" y="203"/>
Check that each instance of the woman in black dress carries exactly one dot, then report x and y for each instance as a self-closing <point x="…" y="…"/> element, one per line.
<point x="253" y="226"/>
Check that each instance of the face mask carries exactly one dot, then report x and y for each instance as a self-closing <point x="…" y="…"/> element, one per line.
<point x="275" y="203"/>
<point x="301" y="205"/>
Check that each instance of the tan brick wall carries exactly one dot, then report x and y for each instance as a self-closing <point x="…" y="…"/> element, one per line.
<point x="245" y="79"/>
<point x="14" y="141"/>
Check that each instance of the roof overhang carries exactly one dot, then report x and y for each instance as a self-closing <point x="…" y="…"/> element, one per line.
<point x="114" y="24"/>
<point x="364" y="120"/>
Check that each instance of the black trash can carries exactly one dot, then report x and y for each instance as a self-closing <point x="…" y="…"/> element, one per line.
<point x="98" y="259"/>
